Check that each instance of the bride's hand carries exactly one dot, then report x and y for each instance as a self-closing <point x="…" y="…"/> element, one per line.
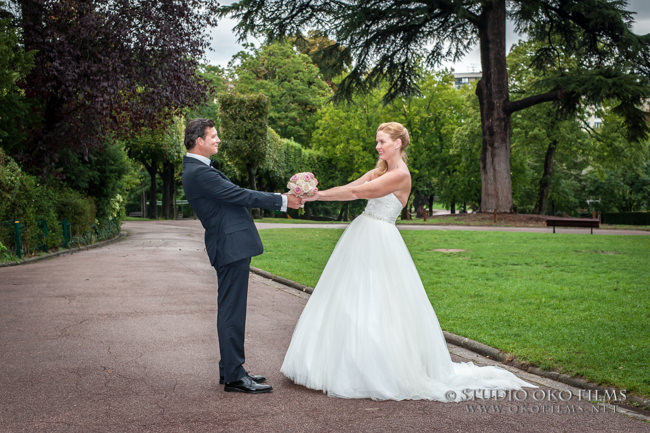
<point x="312" y="198"/>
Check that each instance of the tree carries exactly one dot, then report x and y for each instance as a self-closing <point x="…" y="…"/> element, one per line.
<point x="284" y="158"/>
<point x="432" y="121"/>
<point x="216" y="80"/>
<point x="465" y="184"/>
<point x="107" y="65"/>
<point x="173" y="148"/>
<point x="100" y="175"/>
<point x="15" y="64"/>
<point x="541" y="133"/>
<point x="617" y="172"/>
<point x="291" y="82"/>
<point x="388" y="38"/>
<point x="317" y="45"/>
<point x="160" y="151"/>
<point x="345" y="135"/>
<point x="244" y="119"/>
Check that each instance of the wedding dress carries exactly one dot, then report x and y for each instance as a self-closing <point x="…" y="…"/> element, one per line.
<point x="369" y="330"/>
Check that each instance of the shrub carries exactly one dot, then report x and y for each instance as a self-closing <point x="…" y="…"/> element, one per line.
<point x="78" y="209"/>
<point x="5" y="254"/>
<point x="24" y="199"/>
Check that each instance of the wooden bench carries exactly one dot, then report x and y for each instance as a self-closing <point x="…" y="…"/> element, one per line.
<point x="573" y="222"/>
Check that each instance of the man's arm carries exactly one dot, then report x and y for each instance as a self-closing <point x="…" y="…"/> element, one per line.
<point x="223" y="190"/>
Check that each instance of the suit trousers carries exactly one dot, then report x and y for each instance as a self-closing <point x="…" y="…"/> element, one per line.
<point x="231" y="317"/>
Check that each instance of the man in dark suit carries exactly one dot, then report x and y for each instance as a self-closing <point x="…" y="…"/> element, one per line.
<point x="231" y="239"/>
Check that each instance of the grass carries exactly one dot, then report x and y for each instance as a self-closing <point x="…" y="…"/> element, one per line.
<point x="578" y="304"/>
<point x="130" y="218"/>
<point x="503" y="220"/>
<point x="297" y="221"/>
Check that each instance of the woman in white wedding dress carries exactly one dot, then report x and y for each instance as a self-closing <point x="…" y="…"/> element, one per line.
<point x="369" y="330"/>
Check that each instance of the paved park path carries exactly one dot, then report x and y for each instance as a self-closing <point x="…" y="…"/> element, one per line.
<point x="122" y="338"/>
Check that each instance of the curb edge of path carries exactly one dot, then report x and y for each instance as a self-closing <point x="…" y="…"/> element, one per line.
<point x="487" y="351"/>
<point x="123" y="234"/>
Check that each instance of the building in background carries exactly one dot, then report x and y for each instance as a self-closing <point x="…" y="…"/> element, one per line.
<point x="463" y="78"/>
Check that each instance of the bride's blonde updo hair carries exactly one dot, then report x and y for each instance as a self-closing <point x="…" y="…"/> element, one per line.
<point x="394" y="130"/>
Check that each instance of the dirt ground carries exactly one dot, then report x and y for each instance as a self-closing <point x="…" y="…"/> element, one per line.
<point x="487" y="219"/>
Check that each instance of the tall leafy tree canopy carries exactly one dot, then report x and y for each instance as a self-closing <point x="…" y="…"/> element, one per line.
<point x="107" y="65"/>
<point x="244" y="119"/>
<point x="291" y="82"/>
<point x="388" y="38"/>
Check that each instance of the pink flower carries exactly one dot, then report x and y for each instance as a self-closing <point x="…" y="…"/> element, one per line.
<point x="297" y="190"/>
<point x="294" y="177"/>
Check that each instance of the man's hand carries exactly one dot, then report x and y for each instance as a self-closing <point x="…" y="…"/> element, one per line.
<point x="293" y="202"/>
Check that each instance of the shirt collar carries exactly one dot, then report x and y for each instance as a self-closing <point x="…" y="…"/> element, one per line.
<point x="201" y="158"/>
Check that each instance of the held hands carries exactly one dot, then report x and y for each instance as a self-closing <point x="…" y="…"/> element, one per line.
<point x="293" y="201"/>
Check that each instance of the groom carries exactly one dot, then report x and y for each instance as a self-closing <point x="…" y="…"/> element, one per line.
<point x="231" y="239"/>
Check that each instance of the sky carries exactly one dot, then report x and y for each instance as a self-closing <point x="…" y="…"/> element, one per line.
<point x="224" y="44"/>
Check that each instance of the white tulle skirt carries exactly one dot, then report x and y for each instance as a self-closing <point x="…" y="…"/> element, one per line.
<point x="369" y="331"/>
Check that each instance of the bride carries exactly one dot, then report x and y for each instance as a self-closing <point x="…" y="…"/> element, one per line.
<point x="368" y="330"/>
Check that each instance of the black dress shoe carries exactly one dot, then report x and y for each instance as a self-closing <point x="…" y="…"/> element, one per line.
<point x="247" y="385"/>
<point x="255" y="377"/>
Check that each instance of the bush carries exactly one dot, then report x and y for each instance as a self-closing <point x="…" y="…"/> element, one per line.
<point x="22" y="198"/>
<point x="35" y="206"/>
<point x="107" y="229"/>
<point x="5" y="254"/>
<point x="285" y="157"/>
<point x="79" y="210"/>
<point x="630" y="218"/>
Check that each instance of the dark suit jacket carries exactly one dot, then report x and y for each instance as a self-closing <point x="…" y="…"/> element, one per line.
<point x="222" y="207"/>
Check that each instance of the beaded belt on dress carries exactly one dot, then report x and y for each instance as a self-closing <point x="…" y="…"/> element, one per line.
<point x="377" y="217"/>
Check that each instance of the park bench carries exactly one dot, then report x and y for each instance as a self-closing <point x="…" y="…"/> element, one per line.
<point x="573" y="222"/>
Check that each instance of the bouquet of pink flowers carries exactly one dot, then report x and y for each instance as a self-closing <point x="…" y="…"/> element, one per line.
<point x="303" y="184"/>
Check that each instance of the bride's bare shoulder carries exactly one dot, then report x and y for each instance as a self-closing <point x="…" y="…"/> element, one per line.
<point x="402" y="173"/>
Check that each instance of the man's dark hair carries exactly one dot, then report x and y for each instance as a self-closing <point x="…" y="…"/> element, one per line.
<point x="196" y="128"/>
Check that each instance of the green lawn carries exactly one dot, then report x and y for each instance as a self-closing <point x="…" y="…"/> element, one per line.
<point x="296" y="221"/>
<point x="579" y="304"/>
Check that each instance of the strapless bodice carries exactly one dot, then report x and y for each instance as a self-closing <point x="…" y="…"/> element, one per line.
<point x="386" y="208"/>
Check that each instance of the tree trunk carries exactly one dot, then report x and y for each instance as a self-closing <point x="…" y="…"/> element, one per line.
<point x="143" y="200"/>
<point x="153" y="192"/>
<point x="169" y="191"/>
<point x="452" y="207"/>
<point x="492" y="92"/>
<point x="419" y="201"/>
<point x="545" y="182"/>
<point x="431" y="198"/>
<point x="252" y="171"/>
<point x="343" y="213"/>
